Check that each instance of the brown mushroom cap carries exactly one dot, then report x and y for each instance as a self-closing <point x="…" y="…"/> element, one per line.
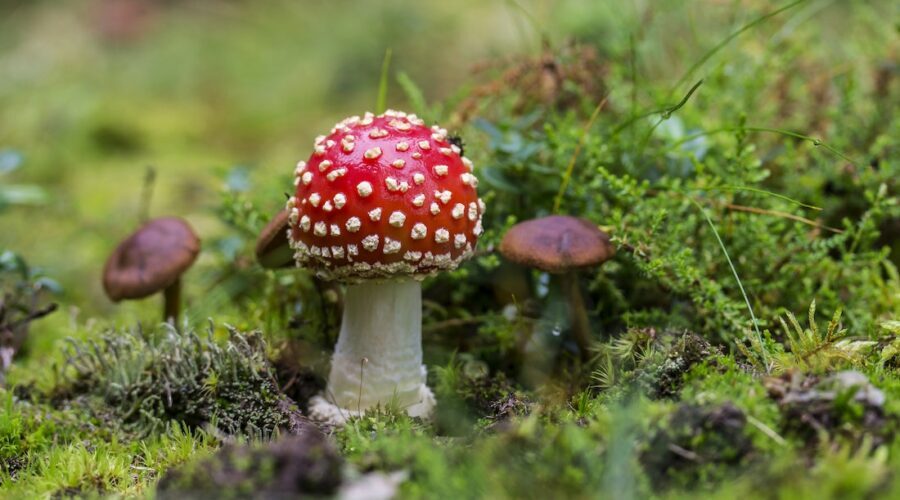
<point x="151" y="259"/>
<point x="556" y="244"/>
<point x="272" y="247"/>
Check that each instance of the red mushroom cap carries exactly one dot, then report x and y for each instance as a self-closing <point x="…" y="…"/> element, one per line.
<point x="384" y="196"/>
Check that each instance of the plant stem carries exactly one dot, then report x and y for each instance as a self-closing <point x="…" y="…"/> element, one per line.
<point x="581" y="330"/>
<point x="172" y="302"/>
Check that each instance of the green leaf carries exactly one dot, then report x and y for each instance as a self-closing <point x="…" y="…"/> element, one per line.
<point x="414" y="95"/>
<point x="381" y="103"/>
<point x="495" y="178"/>
<point x="9" y="160"/>
<point x="22" y="194"/>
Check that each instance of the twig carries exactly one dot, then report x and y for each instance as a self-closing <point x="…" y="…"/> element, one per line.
<point x="786" y="215"/>
<point x="452" y="323"/>
<point x="40" y="313"/>
<point x="571" y="167"/>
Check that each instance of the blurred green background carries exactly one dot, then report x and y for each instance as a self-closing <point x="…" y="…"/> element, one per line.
<point x="92" y="93"/>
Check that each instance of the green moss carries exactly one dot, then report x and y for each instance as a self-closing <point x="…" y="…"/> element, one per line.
<point x="149" y="379"/>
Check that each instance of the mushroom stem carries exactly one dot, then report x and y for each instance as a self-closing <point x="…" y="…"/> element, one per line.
<point x="172" y="302"/>
<point x="378" y="357"/>
<point x="581" y="330"/>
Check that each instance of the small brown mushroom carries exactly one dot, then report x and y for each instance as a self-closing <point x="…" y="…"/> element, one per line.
<point x="272" y="248"/>
<point x="561" y="245"/>
<point x="150" y="260"/>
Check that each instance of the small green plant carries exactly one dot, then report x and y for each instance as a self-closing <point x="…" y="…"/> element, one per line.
<point x="150" y="378"/>
<point x="813" y="350"/>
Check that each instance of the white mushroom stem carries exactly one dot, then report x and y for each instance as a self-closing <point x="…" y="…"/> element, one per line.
<point x="378" y="357"/>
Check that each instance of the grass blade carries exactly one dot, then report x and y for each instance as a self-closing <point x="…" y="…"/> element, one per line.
<point x="381" y="102"/>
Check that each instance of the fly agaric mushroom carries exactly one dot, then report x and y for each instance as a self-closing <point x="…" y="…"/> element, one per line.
<point x="150" y="260"/>
<point x="272" y="248"/>
<point x="561" y="245"/>
<point x="382" y="203"/>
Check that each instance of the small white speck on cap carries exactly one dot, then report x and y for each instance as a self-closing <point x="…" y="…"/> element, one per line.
<point x="441" y="236"/>
<point x="370" y="242"/>
<point x="367" y="119"/>
<point x="324" y="165"/>
<point x="353" y="224"/>
<point x="306" y="178"/>
<point x="320" y="150"/>
<point x="400" y="124"/>
<point x="468" y="163"/>
<point x="291" y="203"/>
<point x="440" y="170"/>
<point x="293" y="215"/>
<point x="427" y="259"/>
<point x="335" y="230"/>
<point x="392" y="184"/>
<point x="419" y="231"/>
<point x="347" y="146"/>
<point x="320" y="229"/>
<point x="296" y="181"/>
<point x="334" y="174"/>
<point x="326" y="252"/>
<point x="378" y="133"/>
<point x="329" y="144"/>
<point x="435" y="209"/>
<point x="337" y="252"/>
<point x="391" y="246"/>
<point x="304" y="223"/>
<point x="402" y="146"/>
<point x="478" y="229"/>
<point x="398" y="163"/>
<point x="438" y="137"/>
<point x="446" y="151"/>
<point x="397" y="218"/>
<point x="412" y="255"/>
<point x="418" y="200"/>
<point x="473" y="211"/>
<point x="459" y="240"/>
<point x="340" y="200"/>
<point x="418" y="178"/>
<point x="315" y="250"/>
<point x="417" y="155"/>
<point x="481" y="205"/>
<point x="372" y="153"/>
<point x="458" y="210"/>
<point x="424" y="145"/>
<point x="375" y="214"/>
<point x="468" y="179"/>
<point x="444" y="196"/>
<point x="364" y="188"/>
<point x="455" y="148"/>
<point x="352" y="250"/>
<point x="314" y="199"/>
<point x="327" y="206"/>
<point x="301" y="166"/>
<point x="319" y="140"/>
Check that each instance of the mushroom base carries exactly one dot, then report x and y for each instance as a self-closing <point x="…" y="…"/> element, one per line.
<point x="321" y="410"/>
<point x="378" y="357"/>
